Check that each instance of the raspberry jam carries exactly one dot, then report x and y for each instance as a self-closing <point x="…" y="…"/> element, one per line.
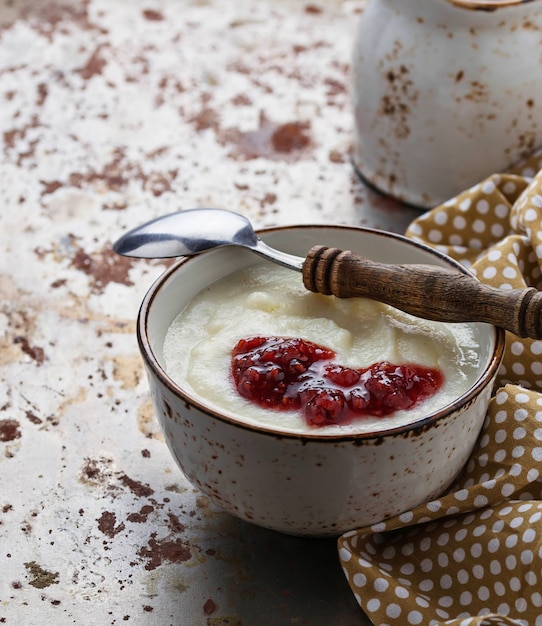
<point x="290" y="373"/>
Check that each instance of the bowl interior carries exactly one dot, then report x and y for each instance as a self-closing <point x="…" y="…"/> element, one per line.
<point x="184" y="280"/>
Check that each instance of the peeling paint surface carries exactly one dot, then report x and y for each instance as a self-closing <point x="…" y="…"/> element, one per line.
<point x="113" y="113"/>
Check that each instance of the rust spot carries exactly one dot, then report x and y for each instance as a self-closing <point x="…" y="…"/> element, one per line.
<point x="206" y="118"/>
<point x="16" y="136"/>
<point x="241" y="100"/>
<point x="91" y="470"/>
<point x="459" y="76"/>
<point x="142" y="515"/>
<point x="33" y="418"/>
<point x="96" y="471"/>
<point x="290" y="137"/>
<point x="159" y="551"/>
<point x="9" y="430"/>
<point x="50" y="186"/>
<point x="43" y="92"/>
<point x="175" y="524"/>
<point x="107" y="524"/>
<point x="47" y="18"/>
<point x="41" y="578"/>
<point x="269" y="198"/>
<point x="209" y="607"/>
<point x="336" y="157"/>
<point x="103" y="267"/>
<point x="137" y="488"/>
<point x="335" y="87"/>
<point x="58" y="283"/>
<point x="94" y="66"/>
<point x="34" y="352"/>
<point x="117" y="174"/>
<point x="152" y="15"/>
<point x="288" y="142"/>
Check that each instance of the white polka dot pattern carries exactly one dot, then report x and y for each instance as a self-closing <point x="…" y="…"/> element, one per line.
<point x="473" y="557"/>
<point x="476" y="549"/>
<point x="495" y="229"/>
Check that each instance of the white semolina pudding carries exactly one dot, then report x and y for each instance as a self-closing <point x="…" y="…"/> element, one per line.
<point x="262" y="349"/>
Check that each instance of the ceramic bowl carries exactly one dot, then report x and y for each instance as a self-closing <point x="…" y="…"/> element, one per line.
<point x="308" y="484"/>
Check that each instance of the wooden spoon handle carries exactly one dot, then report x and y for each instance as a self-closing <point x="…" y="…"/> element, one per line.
<point x="427" y="291"/>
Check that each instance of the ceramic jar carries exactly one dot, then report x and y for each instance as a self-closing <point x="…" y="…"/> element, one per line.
<point x="445" y="93"/>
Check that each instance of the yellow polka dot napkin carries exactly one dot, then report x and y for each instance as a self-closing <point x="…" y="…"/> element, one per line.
<point x="473" y="557"/>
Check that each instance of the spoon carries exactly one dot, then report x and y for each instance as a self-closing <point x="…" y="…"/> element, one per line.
<point x="427" y="291"/>
<point x="192" y="231"/>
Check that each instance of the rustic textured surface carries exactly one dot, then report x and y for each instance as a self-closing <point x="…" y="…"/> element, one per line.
<point x="113" y="113"/>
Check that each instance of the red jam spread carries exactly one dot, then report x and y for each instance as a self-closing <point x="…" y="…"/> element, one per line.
<point x="291" y="373"/>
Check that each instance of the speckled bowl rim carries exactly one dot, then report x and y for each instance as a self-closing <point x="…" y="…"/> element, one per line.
<point x="417" y="426"/>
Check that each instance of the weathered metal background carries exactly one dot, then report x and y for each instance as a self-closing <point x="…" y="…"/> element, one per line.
<point x="112" y="113"/>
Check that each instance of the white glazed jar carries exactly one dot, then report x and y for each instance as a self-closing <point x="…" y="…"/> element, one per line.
<point x="445" y="93"/>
